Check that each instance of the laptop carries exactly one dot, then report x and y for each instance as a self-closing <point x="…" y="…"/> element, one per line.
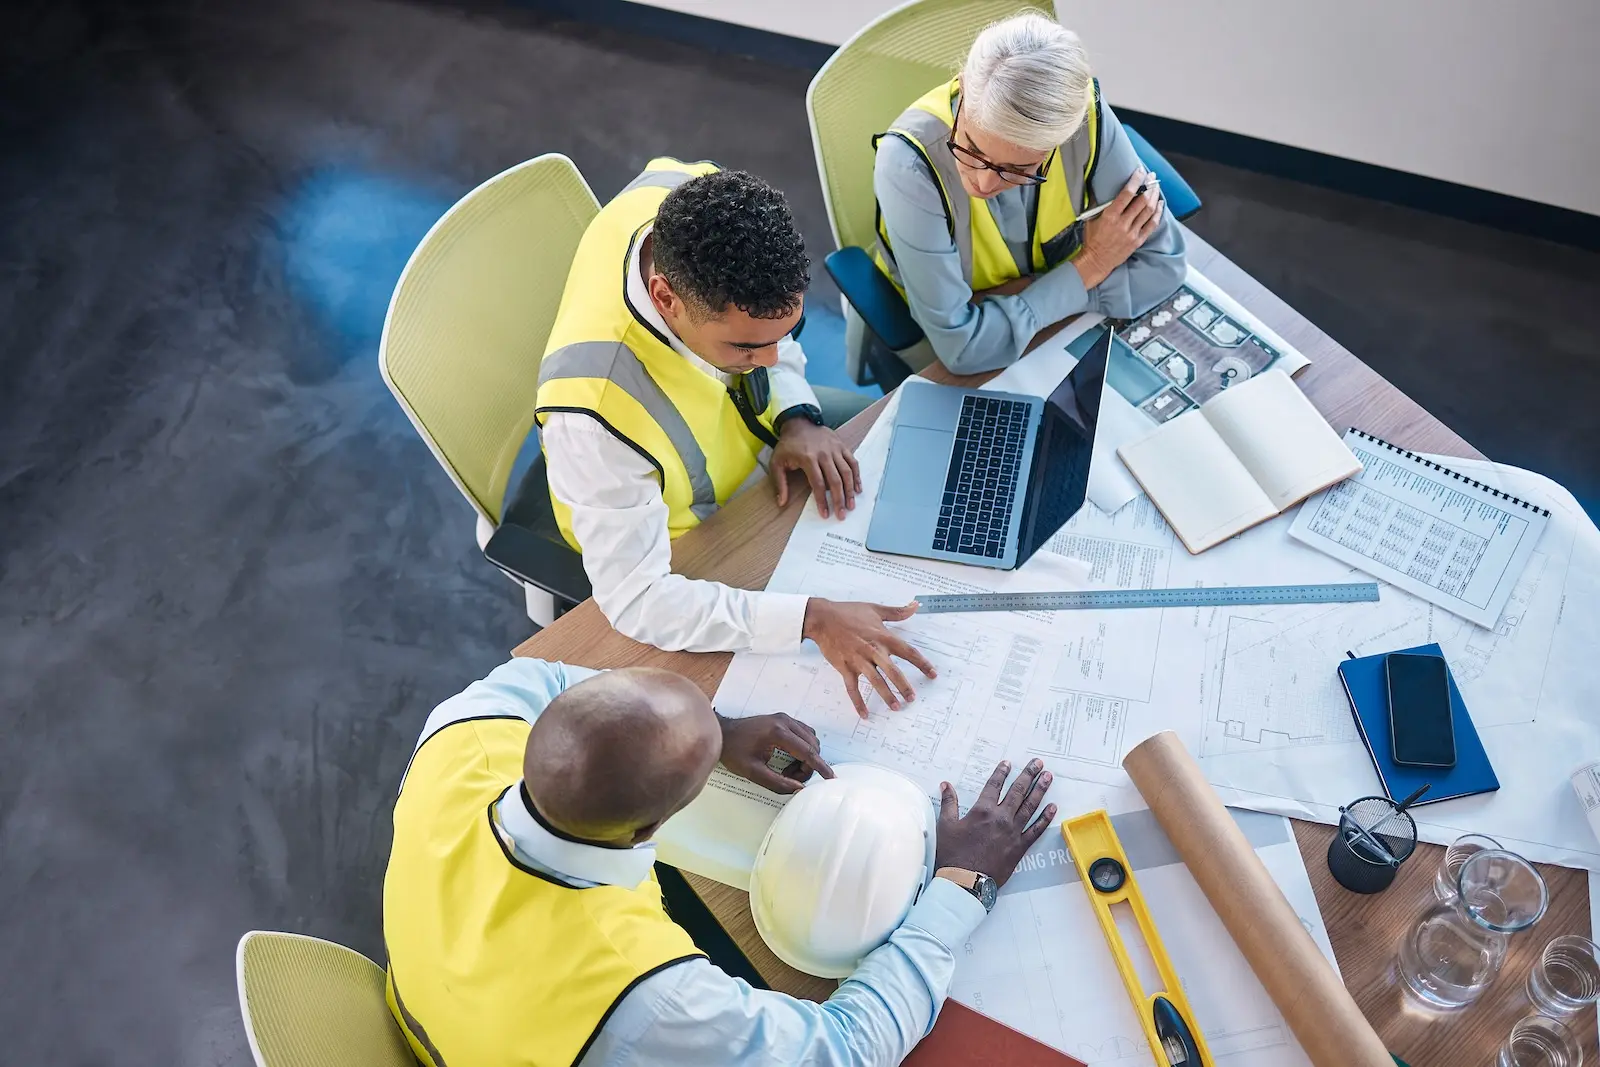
<point x="987" y="478"/>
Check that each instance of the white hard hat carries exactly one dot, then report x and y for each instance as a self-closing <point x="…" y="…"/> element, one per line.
<point x="840" y="867"/>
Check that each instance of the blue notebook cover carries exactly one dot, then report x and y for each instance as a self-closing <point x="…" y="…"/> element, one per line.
<point x="1366" y="684"/>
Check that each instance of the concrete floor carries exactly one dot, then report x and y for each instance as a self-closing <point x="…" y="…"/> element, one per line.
<point x="233" y="581"/>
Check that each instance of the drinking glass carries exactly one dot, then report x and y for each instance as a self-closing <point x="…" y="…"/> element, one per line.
<point x="1566" y="977"/>
<point x="1456" y="949"/>
<point x="1444" y="881"/>
<point x="1540" y="1041"/>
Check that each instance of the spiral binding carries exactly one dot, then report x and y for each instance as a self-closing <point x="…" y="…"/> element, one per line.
<point x="1428" y="463"/>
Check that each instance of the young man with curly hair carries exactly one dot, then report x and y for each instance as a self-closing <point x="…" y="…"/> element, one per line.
<point x="669" y="372"/>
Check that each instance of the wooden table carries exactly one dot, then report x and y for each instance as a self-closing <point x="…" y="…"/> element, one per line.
<point x="740" y="545"/>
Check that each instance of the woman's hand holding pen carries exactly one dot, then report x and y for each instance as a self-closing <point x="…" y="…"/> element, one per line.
<point x="1116" y="233"/>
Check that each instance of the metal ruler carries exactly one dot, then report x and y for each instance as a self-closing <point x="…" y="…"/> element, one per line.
<point x="1200" y="596"/>
<point x="1164" y="1013"/>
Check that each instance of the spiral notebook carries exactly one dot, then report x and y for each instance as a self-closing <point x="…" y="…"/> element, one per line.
<point x="1425" y="528"/>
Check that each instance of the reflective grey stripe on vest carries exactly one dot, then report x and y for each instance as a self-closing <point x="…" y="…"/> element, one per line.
<point x="660" y="179"/>
<point x="930" y="133"/>
<point x="411" y="1022"/>
<point x="615" y="362"/>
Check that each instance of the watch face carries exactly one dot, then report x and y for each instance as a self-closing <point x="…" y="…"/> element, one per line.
<point x="985" y="889"/>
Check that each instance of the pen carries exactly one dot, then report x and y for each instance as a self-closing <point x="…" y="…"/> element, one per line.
<point x="1149" y="183"/>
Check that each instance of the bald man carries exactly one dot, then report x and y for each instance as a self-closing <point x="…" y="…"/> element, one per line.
<point x="522" y="916"/>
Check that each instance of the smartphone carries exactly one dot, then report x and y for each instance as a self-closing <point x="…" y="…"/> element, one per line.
<point x="1421" y="722"/>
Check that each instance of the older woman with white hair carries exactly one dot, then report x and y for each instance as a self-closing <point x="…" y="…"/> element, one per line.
<point x="980" y="185"/>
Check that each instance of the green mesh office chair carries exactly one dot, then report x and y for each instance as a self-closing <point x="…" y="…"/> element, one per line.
<point x="855" y="96"/>
<point x="310" y="1003"/>
<point x="465" y="332"/>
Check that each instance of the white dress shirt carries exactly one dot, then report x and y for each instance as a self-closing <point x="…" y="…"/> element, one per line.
<point x="620" y="519"/>
<point x="694" y="1014"/>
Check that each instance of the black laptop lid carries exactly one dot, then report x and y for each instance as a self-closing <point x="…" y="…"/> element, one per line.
<point x="1059" y="483"/>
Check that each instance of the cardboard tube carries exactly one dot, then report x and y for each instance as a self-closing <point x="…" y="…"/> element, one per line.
<point x="1291" y="968"/>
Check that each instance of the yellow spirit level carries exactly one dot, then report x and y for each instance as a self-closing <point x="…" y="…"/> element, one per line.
<point x="1107" y="875"/>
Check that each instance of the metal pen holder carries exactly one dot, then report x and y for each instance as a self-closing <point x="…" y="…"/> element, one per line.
<point x="1375" y="836"/>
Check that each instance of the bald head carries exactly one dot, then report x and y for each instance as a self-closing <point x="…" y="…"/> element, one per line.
<point x="611" y="758"/>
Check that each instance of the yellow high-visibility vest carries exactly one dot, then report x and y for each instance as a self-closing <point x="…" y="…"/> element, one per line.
<point x="603" y="360"/>
<point x="986" y="259"/>
<point x="491" y="962"/>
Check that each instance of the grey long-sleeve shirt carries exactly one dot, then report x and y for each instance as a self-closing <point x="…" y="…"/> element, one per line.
<point x="972" y="337"/>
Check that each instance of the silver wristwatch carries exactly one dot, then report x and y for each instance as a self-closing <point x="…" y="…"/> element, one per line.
<point x="979" y="885"/>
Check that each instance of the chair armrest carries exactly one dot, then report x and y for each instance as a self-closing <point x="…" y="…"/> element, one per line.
<point x="528" y="544"/>
<point x="874" y="297"/>
<point x="530" y="558"/>
<point x="1182" y="200"/>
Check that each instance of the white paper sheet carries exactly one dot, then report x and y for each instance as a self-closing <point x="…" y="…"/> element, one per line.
<point x="1040" y="963"/>
<point x="1277" y="727"/>
<point x="1424" y="530"/>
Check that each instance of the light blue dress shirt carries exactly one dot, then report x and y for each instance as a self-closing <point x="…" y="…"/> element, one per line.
<point x="992" y="333"/>
<point x="693" y="1014"/>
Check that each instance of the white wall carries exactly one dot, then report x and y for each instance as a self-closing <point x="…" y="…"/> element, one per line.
<point x="1500" y="96"/>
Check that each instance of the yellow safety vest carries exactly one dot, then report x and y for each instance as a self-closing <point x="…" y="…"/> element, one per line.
<point x="490" y="962"/>
<point x="603" y="360"/>
<point x="986" y="259"/>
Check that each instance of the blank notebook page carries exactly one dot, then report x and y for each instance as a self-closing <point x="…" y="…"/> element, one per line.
<point x="1196" y="481"/>
<point x="1284" y="441"/>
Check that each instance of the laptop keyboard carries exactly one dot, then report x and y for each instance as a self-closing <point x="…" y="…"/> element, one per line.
<point x="980" y="486"/>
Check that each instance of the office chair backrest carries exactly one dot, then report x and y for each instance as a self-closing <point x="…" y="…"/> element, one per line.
<point x="470" y="315"/>
<point x="871" y="79"/>
<point x="310" y="1003"/>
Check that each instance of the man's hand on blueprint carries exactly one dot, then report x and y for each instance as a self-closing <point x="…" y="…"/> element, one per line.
<point x="997" y="831"/>
<point x="854" y="639"/>
<point x="751" y="745"/>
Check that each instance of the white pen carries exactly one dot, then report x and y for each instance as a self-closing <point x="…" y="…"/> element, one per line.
<point x="1151" y="182"/>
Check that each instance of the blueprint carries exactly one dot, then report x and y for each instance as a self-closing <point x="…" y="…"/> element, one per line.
<point x="1015" y="970"/>
<point x="1252" y="691"/>
<point x="1275" y="726"/>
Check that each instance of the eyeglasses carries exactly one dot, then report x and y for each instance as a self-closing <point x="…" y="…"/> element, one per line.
<point x="1010" y="175"/>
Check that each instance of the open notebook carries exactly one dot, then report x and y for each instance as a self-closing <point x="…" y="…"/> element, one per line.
<point x="1249" y="454"/>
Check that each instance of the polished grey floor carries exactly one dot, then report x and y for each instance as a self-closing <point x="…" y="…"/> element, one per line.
<point x="232" y="580"/>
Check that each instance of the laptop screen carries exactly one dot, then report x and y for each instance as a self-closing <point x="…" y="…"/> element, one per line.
<point x="1078" y="395"/>
<point x="1059" y="481"/>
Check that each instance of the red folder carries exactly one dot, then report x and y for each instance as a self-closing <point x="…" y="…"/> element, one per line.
<point x="966" y="1038"/>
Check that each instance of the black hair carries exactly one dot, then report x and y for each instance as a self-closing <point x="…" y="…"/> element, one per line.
<point x="728" y="238"/>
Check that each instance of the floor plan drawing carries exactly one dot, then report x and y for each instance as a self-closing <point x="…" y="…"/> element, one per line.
<point x="1252" y="690"/>
<point x="1269" y="692"/>
<point x="1190" y="347"/>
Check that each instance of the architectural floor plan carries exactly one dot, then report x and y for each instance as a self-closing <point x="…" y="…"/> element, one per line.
<point x="1253" y="691"/>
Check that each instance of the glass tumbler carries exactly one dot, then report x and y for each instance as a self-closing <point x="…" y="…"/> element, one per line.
<point x="1566" y="976"/>
<point x="1444" y="882"/>
<point x="1456" y="949"/>
<point x="1540" y="1041"/>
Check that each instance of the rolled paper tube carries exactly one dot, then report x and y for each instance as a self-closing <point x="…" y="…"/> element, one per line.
<point x="1307" y="991"/>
